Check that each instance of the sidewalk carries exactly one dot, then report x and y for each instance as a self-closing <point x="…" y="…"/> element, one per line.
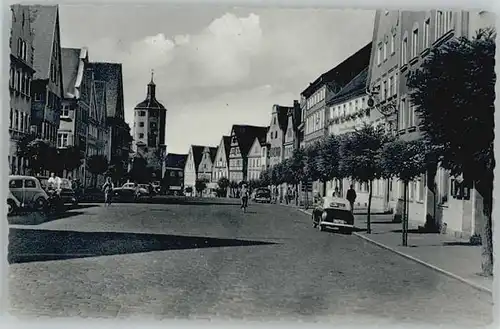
<point x="448" y="255"/>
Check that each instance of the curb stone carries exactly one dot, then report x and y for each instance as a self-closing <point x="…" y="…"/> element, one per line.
<point x="433" y="267"/>
<point x="428" y="265"/>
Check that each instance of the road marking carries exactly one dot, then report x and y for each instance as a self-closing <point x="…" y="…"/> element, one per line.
<point x="452" y="275"/>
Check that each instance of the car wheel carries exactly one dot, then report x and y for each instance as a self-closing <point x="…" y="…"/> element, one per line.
<point x="11" y="207"/>
<point x="41" y="204"/>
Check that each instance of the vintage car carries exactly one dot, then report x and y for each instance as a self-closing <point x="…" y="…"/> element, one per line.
<point x="129" y="190"/>
<point x="62" y="196"/>
<point x="156" y="187"/>
<point x="145" y="190"/>
<point x="262" y="195"/>
<point x="333" y="213"/>
<point x="13" y="204"/>
<point x="26" y="192"/>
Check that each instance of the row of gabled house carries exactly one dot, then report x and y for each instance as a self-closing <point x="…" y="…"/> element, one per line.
<point x="60" y="96"/>
<point x="246" y="152"/>
<point x="338" y="101"/>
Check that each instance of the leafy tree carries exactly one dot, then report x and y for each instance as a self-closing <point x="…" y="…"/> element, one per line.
<point x="71" y="158"/>
<point x="405" y="160"/>
<point x="327" y="164"/>
<point x="454" y="93"/>
<point x="265" y="178"/>
<point x="223" y="184"/>
<point x="254" y="183"/>
<point x="295" y="173"/>
<point x="312" y="167"/>
<point x="97" y="165"/>
<point x="38" y="151"/>
<point x="116" y="169"/>
<point x="200" y="185"/>
<point x="139" y="171"/>
<point x="359" y="158"/>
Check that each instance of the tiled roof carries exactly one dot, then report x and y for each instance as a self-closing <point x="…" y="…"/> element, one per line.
<point x="70" y="62"/>
<point x="100" y="96"/>
<point x="246" y="136"/>
<point x="355" y="87"/>
<point x="197" y="154"/>
<point x="344" y="72"/>
<point x="296" y="113"/>
<point x="174" y="160"/>
<point x="282" y="116"/>
<point x="151" y="102"/>
<point x="111" y="73"/>
<point x="227" y="146"/>
<point x="43" y="22"/>
<point x="213" y="153"/>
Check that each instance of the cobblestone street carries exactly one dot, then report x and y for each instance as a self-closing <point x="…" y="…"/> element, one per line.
<point x="208" y="259"/>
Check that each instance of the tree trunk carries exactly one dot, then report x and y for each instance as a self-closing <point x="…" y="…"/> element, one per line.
<point x="306" y="195"/>
<point x="324" y="188"/>
<point x="296" y="195"/>
<point x="487" y="234"/>
<point x="368" y="219"/>
<point x="404" y="218"/>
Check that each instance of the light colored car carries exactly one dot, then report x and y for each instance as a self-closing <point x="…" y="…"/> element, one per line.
<point x="27" y="192"/>
<point x="129" y="190"/>
<point x="333" y="213"/>
<point x="13" y="204"/>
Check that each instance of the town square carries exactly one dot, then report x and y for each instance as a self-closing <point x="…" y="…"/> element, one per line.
<point x="205" y="164"/>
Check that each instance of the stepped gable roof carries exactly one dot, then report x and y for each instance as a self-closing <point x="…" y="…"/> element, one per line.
<point x="342" y="73"/>
<point x="246" y="136"/>
<point x="355" y="87"/>
<point x="43" y="21"/>
<point x="111" y="74"/>
<point x="213" y="153"/>
<point x="70" y="59"/>
<point x="150" y="102"/>
<point x="174" y="160"/>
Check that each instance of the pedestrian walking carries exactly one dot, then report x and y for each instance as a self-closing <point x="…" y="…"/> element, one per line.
<point x="244" y="197"/>
<point x="351" y="197"/>
<point x="108" y="189"/>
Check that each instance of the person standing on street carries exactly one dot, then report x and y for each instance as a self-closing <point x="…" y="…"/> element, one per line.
<point x="244" y="197"/>
<point x="108" y="189"/>
<point x="351" y="197"/>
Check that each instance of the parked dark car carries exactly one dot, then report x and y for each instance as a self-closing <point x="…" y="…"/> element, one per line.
<point x="333" y="213"/>
<point x="263" y="195"/>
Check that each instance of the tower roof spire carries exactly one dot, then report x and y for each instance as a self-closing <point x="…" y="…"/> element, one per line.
<point x="152" y="76"/>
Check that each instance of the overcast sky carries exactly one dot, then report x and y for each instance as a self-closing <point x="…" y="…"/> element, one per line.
<point x="214" y="66"/>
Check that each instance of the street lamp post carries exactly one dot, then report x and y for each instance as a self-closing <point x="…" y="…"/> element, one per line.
<point x="388" y="110"/>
